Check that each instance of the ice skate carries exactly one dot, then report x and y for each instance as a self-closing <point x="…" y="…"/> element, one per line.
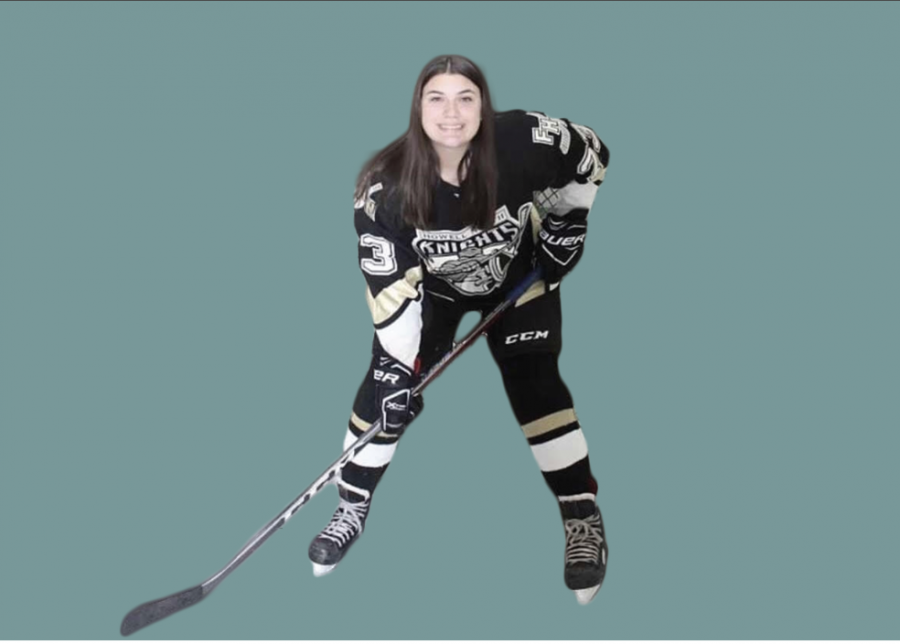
<point x="347" y="523"/>
<point x="586" y="548"/>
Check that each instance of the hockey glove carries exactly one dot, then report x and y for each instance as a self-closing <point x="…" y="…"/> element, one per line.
<point x="394" y="382"/>
<point x="561" y="243"/>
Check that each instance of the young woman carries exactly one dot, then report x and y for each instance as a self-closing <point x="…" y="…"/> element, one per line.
<point x="450" y="217"/>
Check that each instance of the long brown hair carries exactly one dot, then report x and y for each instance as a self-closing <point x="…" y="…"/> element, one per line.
<point x="411" y="163"/>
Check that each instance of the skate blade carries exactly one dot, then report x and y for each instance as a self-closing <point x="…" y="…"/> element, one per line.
<point x="320" y="569"/>
<point x="585" y="595"/>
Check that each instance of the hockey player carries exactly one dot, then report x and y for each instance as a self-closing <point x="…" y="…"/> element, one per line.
<point x="450" y="217"/>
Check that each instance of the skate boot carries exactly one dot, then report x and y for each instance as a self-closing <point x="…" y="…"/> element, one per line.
<point x="586" y="548"/>
<point x="347" y="523"/>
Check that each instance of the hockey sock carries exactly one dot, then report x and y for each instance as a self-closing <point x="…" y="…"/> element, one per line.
<point x="543" y="406"/>
<point x="366" y="468"/>
<point x="364" y="478"/>
<point x="561" y="452"/>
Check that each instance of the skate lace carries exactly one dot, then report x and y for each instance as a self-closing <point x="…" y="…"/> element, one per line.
<point x="583" y="539"/>
<point x="346" y="522"/>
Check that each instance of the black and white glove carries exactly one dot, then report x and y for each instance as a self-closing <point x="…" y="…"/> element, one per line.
<point x="561" y="243"/>
<point x="394" y="382"/>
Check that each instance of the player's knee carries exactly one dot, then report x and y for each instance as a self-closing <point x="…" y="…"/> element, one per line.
<point x="533" y="385"/>
<point x="530" y="370"/>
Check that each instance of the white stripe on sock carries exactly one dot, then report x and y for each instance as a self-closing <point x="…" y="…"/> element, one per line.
<point x="587" y="496"/>
<point x="356" y="490"/>
<point x="560" y="452"/>
<point x="372" y="455"/>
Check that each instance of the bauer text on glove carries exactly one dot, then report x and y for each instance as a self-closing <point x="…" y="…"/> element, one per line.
<point x="561" y="244"/>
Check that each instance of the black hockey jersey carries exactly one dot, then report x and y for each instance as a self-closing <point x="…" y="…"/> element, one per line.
<point x="544" y="165"/>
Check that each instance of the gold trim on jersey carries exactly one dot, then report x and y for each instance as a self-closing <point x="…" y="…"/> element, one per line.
<point x="392" y="298"/>
<point x="549" y="423"/>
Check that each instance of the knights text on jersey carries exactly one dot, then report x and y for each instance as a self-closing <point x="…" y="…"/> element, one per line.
<point x="545" y="165"/>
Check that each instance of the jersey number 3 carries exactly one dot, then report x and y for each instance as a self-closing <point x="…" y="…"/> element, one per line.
<point x="383" y="260"/>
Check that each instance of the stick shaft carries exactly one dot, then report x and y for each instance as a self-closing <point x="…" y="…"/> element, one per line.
<point x="154" y="611"/>
<point x="329" y="474"/>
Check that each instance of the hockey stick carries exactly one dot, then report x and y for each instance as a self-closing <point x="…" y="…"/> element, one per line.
<point x="153" y="611"/>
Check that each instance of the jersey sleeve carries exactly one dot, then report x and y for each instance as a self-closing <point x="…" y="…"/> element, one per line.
<point x="393" y="276"/>
<point x="565" y="162"/>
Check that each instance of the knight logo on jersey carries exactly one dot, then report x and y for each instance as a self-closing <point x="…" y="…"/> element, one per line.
<point x="474" y="262"/>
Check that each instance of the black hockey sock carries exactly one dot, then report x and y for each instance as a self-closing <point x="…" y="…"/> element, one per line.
<point x="366" y="478"/>
<point x="367" y="467"/>
<point x="543" y="406"/>
<point x="572" y="483"/>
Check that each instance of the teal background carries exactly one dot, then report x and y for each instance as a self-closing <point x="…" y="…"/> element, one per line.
<point x="183" y="324"/>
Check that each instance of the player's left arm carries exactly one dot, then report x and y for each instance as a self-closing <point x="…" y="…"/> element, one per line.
<point x="571" y="161"/>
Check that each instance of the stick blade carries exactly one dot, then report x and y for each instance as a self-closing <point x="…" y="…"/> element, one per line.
<point x="146" y="614"/>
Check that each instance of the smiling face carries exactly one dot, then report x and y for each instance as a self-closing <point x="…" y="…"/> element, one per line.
<point x="451" y="112"/>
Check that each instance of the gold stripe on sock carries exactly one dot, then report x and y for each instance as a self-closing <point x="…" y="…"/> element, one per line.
<point x="549" y="423"/>
<point x="363" y="426"/>
<point x="359" y="423"/>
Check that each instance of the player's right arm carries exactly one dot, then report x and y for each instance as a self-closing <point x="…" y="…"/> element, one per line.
<point x="393" y="276"/>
